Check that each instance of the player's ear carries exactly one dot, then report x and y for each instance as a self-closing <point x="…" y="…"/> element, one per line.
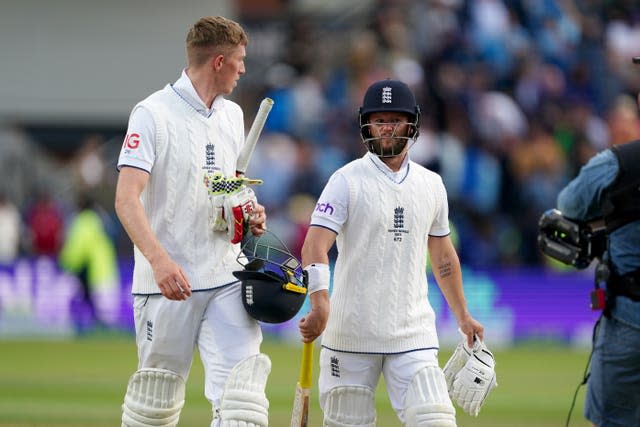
<point x="217" y="62"/>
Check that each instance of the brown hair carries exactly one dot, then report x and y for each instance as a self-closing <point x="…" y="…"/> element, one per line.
<point x="213" y="35"/>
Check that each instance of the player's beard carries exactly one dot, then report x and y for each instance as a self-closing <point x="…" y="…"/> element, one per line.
<point x="382" y="148"/>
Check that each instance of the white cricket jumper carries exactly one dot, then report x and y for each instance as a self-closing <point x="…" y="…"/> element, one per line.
<point x="187" y="145"/>
<point x="379" y="298"/>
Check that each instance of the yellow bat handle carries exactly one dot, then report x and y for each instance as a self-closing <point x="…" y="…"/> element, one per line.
<point x="307" y="365"/>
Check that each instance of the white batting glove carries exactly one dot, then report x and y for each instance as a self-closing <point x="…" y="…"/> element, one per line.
<point x="232" y="203"/>
<point x="456" y="362"/>
<point x="473" y="383"/>
<point x="216" y="217"/>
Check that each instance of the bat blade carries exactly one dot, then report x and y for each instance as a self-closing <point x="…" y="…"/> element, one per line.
<point x="252" y="136"/>
<point x="300" y="412"/>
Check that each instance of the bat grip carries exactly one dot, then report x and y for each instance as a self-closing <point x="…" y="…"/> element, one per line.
<point x="307" y="365"/>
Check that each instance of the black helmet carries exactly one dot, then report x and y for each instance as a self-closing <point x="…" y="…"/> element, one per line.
<point x="274" y="285"/>
<point x="388" y="95"/>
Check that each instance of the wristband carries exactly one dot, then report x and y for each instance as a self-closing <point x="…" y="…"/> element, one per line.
<point x="318" y="277"/>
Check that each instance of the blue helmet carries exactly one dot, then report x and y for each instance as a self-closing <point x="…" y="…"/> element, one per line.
<point x="274" y="286"/>
<point x="388" y="96"/>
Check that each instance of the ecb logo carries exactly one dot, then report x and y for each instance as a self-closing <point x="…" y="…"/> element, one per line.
<point x="249" y="294"/>
<point x="210" y="158"/>
<point x="398" y="224"/>
<point x="386" y="95"/>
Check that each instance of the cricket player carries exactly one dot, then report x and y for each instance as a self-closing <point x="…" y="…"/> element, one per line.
<point x="385" y="212"/>
<point x="185" y="294"/>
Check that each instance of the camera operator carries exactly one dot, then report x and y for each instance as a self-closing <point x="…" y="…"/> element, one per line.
<point x="608" y="187"/>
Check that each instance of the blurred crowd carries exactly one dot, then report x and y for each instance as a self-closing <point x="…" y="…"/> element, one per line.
<point x="515" y="95"/>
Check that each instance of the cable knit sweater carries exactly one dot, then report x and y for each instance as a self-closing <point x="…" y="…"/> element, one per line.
<point x="175" y="199"/>
<point x="379" y="298"/>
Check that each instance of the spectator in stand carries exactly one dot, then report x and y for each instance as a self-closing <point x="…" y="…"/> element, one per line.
<point x="45" y="224"/>
<point x="90" y="255"/>
<point x="10" y="224"/>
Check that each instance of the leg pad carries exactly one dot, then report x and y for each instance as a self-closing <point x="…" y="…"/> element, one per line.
<point x="154" y="398"/>
<point x="244" y="402"/>
<point x="427" y="403"/>
<point x="350" y="406"/>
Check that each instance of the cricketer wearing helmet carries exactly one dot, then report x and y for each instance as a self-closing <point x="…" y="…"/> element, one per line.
<point x="384" y="212"/>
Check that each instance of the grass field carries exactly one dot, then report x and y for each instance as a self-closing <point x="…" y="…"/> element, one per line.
<point x="81" y="383"/>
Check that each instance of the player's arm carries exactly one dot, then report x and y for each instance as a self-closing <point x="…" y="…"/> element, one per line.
<point x="448" y="274"/>
<point x="470" y="372"/>
<point x="315" y="260"/>
<point x="168" y="275"/>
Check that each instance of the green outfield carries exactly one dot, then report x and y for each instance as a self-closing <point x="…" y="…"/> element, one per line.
<point x="81" y="383"/>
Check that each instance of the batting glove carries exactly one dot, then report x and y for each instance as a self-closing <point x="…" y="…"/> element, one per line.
<point x="232" y="203"/>
<point x="473" y="383"/>
<point x="238" y="207"/>
<point x="216" y="217"/>
<point x="456" y="362"/>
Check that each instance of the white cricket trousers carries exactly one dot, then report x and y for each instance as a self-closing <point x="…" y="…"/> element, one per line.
<point x="167" y="333"/>
<point x="343" y="369"/>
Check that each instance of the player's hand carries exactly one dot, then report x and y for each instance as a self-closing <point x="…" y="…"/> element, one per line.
<point x="472" y="329"/>
<point x="313" y="323"/>
<point x="258" y="220"/>
<point x="170" y="278"/>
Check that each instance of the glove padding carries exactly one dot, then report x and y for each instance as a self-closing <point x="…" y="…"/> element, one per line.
<point x="238" y="207"/>
<point x="470" y="381"/>
<point x="216" y="217"/>
<point x="456" y="362"/>
<point x="232" y="203"/>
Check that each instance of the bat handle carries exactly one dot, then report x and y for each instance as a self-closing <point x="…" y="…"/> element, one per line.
<point x="306" y="367"/>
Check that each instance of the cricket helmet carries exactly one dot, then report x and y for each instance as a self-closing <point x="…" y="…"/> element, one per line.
<point x="274" y="286"/>
<point x="388" y="96"/>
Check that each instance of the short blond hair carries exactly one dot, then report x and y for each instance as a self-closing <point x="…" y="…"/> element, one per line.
<point x="213" y="35"/>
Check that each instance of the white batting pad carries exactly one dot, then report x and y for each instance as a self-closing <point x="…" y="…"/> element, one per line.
<point x="350" y="406"/>
<point x="244" y="402"/>
<point x="154" y="398"/>
<point x="427" y="402"/>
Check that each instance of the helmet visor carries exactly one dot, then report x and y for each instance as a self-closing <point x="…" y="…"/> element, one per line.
<point x="267" y="253"/>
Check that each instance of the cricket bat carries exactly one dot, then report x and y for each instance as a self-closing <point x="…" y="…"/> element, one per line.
<point x="252" y="136"/>
<point x="300" y="413"/>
